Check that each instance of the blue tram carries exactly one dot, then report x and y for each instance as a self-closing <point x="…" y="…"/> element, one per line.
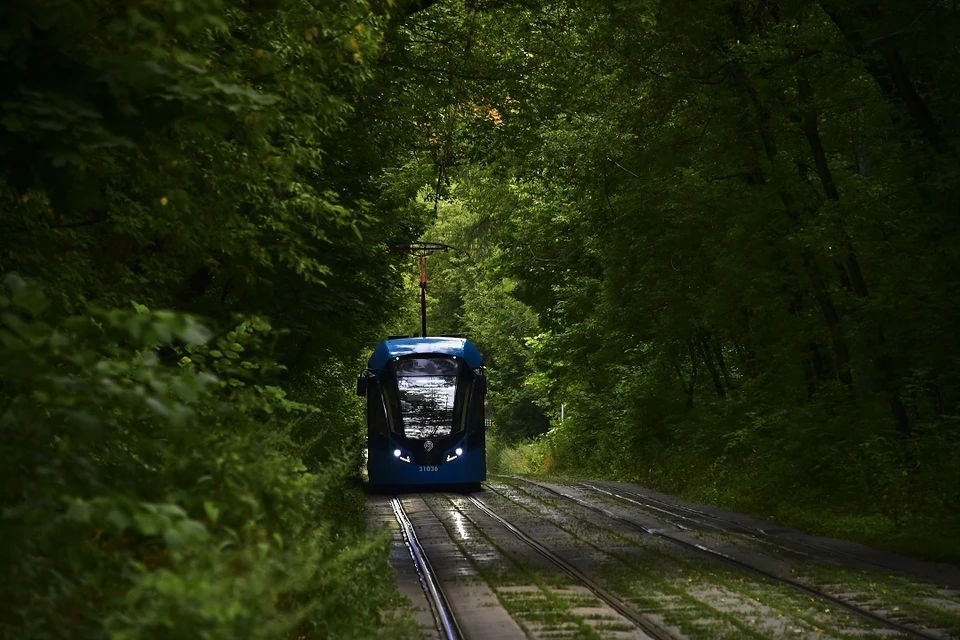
<point x="425" y="410"/>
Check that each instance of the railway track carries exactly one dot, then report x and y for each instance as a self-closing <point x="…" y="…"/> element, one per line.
<point x="876" y="618"/>
<point x="446" y="621"/>
<point x="681" y="512"/>
<point x="468" y="509"/>
<point x="650" y="628"/>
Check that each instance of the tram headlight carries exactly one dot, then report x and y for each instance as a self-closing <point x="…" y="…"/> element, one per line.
<point x="396" y="453"/>
<point x="458" y="451"/>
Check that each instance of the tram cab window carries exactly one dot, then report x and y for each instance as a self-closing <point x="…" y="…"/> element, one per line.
<point x="430" y="397"/>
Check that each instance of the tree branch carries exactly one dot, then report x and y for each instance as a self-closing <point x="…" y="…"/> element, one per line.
<point x="411" y="7"/>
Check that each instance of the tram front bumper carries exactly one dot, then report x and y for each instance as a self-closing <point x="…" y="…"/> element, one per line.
<point x="384" y="468"/>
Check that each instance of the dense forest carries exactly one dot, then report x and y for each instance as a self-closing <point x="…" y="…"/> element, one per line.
<point x="718" y="240"/>
<point x="711" y="246"/>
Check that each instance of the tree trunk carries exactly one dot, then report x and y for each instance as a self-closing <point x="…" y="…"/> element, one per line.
<point x="882" y="362"/>
<point x="832" y="318"/>
<point x="887" y="67"/>
<point x="811" y="130"/>
<point x="749" y="97"/>
<point x="704" y="348"/>
<point x="687" y="388"/>
<point x="808" y="376"/>
<point x="721" y="362"/>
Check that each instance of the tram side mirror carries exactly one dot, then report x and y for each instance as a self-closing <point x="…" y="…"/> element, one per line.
<point x="362" y="384"/>
<point x="480" y="386"/>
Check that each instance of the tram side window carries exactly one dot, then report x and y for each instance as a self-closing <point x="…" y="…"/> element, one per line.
<point x="477" y="434"/>
<point x="376" y="419"/>
<point x="393" y="420"/>
<point x="464" y="388"/>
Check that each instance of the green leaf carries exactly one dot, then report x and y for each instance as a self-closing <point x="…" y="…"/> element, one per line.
<point x="194" y="333"/>
<point x="27" y="297"/>
<point x="193" y="531"/>
<point x="173" y="538"/>
<point x="117" y="520"/>
<point x="213" y="513"/>
<point x="79" y="511"/>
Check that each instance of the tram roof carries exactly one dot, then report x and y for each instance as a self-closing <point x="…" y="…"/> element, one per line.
<point x="437" y="345"/>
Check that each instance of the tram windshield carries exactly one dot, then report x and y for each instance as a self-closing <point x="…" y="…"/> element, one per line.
<point x="427" y="392"/>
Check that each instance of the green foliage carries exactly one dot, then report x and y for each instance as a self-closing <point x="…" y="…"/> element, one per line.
<point x="181" y="155"/>
<point x="151" y="485"/>
<point x="466" y="297"/>
<point x="720" y="235"/>
<point x="735" y="225"/>
<point x="165" y="476"/>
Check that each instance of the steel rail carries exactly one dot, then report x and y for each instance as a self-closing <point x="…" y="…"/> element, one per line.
<point x="439" y="605"/>
<point x="852" y="608"/>
<point x="647" y="626"/>
<point x="701" y="518"/>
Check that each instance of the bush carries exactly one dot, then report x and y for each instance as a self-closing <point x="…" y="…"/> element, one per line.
<point x="151" y="488"/>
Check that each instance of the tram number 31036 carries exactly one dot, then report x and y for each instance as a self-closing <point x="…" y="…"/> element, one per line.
<point x="429" y="468"/>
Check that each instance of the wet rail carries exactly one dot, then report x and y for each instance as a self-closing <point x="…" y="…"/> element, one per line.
<point x="909" y="631"/>
<point x="647" y="626"/>
<point x="443" y="616"/>
<point x="702" y="518"/>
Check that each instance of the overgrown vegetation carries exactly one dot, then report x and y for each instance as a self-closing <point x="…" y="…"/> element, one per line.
<point x="191" y="243"/>
<point x="718" y="237"/>
<point x="734" y="225"/>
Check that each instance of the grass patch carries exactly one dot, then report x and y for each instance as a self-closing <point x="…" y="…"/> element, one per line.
<point x="902" y="532"/>
<point x="903" y="599"/>
<point x="694" y="593"/>
<point x="545" y="608"/>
